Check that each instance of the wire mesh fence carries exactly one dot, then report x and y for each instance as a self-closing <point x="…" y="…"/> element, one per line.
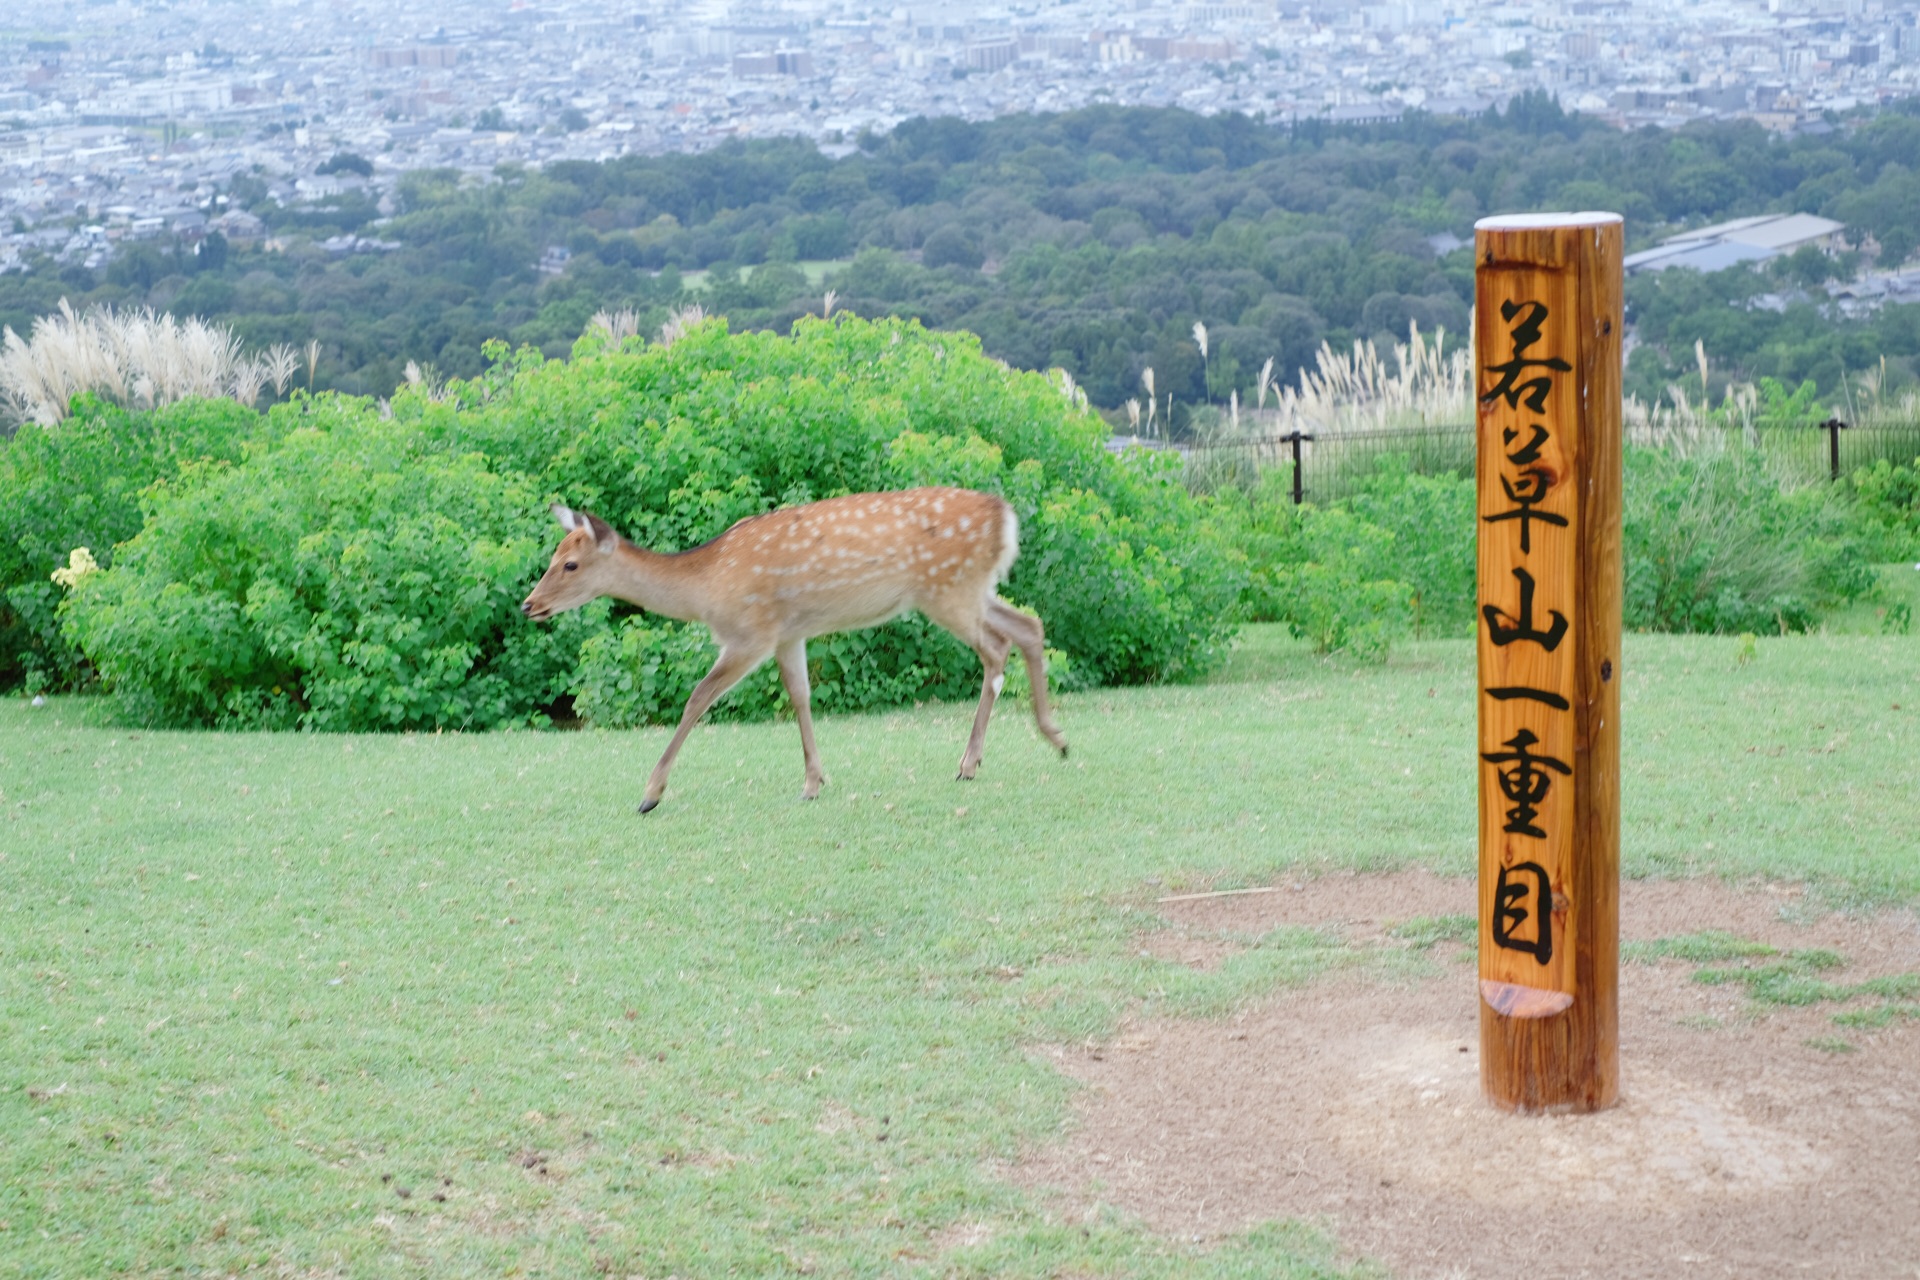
<point x="1327" y="466"/>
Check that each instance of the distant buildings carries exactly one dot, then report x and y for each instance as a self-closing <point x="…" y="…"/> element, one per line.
<point x="152" y="108"/>
<point x="992" y="55"/>
<point x="1742" y="240"/>
<point x="420" y="55"/>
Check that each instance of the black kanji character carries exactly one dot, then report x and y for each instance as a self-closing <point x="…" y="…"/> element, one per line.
<point x="1504" y="632"/>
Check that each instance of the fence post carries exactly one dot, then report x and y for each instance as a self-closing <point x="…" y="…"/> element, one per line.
<point x="1547" y="310"/>
<point x="1294" y="438"/>
<point x="1833" y="427"/>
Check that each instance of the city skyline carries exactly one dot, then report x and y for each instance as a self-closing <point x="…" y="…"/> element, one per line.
<point x="122" y="120"/>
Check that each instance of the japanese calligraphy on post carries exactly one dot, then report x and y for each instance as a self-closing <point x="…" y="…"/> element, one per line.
<point x="1529" y="419"/>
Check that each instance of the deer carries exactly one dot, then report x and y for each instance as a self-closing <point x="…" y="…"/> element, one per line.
<point x="772" y="582"/>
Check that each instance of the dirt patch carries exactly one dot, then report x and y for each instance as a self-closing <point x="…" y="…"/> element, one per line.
<point x="1752" y="1140"/>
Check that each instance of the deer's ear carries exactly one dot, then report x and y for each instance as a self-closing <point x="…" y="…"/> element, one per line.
<point x="603" y="535"/>
<point x="567" y="518"/>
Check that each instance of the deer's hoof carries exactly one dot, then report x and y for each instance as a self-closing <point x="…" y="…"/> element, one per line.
<point x="1063" y="751"/>
<point x="648" y="806"/>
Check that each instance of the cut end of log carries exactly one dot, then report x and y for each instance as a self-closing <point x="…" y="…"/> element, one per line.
<point x="1511" y="1000"/>
<point x="1545" y="221"/>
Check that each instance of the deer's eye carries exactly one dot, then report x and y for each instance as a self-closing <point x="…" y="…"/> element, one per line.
<point x="571" y="565"/>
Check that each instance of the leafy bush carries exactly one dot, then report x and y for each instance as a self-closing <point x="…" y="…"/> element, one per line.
<point x="1341" y="594"/>
<point x="360" y="571"/>
<point x="674" y="444"/>
<point x="347" y="578"/>
<point x="1328" y="573"/>
<point x="1889" y="498"/>
<point x="1711" y="543"/>
<point x="1431" y="518"/>
<point x="1714" y="543"/>
<point x="78" y="484"/>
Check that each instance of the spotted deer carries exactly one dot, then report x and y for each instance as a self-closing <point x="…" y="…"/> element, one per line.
<point x="773" y="581"/>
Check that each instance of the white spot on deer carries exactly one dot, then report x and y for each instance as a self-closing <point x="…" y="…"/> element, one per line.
<point x="999" y="682"/>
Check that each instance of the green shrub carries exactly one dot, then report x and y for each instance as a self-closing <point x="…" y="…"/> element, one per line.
<point x="1713" y="544"/>
<point x="1431" y="518"/>
<point x="1264" y="524"/>
<point x="1341" y="594"/>
<point x="348" y="578"/>
<point x="1716" y="544"/>
<point x="672" y="445"/>
<point x="1889" y="498"/>
<point x="78" y="484"/>
<point x="1328" y="573"/>
<point x="363" y="571"/>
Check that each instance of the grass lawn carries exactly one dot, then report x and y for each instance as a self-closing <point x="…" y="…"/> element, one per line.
<point x="447" y="1006"/>
<point x="814" y="269"/>
<point x="1899" y="586"/>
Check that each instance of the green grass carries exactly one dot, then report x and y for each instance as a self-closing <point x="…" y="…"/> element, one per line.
<point x="1831" y="1044"/>
<point x="815" y="270"/>
<point x="1895" y="605"/>
<point x="1773" y="977"/>
<point x="1425" y="932"/>
<point x="246" y="980"/>
<point x="1708" y="945"/>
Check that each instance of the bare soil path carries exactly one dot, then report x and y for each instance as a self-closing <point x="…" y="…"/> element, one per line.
<point x="1752" y="1140"/>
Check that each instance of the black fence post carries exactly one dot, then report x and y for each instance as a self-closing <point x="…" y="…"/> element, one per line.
<point x="1294" y="439"/>
<point x="1833" y="427"/>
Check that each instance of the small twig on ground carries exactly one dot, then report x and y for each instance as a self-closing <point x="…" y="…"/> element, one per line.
<point x="1219" y="893"/>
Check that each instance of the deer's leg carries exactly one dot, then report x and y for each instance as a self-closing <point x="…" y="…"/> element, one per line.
<point x="1026" y="632"/>
<point x="992" y="645"/>
<point x="793" y="674"/>
<point x="965" y="618"/>
<point x="727" y="671"/>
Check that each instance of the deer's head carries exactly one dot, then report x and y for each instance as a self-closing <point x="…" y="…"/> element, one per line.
<point x="581" y="569"/>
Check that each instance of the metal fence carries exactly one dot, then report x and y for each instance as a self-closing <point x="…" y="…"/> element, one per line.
<point x="1327" y="466"/>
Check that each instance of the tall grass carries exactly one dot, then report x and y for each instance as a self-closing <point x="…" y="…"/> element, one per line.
<point x="1783" y="426"/>
<point x="1357" y="406"/>
<point x="135" y="358"/>
<point x="1416" y="403"/>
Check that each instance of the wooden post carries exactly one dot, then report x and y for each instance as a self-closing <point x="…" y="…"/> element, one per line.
<point x="1547" y="317"/>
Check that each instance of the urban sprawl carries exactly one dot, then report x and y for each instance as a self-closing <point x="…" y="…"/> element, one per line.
<point x="123" y="121"/>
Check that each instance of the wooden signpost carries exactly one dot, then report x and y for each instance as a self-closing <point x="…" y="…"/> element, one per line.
<point x="1547" y="317"/>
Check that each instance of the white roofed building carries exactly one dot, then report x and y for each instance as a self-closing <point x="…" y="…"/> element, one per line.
<point x="1742" y="240"/>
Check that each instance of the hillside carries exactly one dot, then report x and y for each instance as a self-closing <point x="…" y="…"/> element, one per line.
<point x="1092" y="240"/>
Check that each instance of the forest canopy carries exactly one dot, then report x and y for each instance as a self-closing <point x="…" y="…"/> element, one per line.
<point x="1091" y="240"/>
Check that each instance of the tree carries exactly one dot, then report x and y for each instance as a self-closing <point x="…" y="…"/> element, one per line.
<point x="347" y="162"/>
<point x="1808" y="266"/>
<point x="211" y="253"/>
<point x="1896" y="246"/>
<point x="951" y="246"/>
